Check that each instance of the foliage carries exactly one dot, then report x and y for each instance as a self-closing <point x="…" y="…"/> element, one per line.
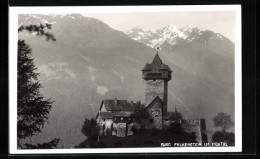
<point x="90" y="127"/>
<point x="222" y="136"/>
<point x="39" y="30"/>
<point x="175" y="116"/>
<point x="134" y="129"/>
<point x="47" y="145"/>
<point x="32" y="108"/>
<point x="138" y="129"/>
<point x="175" y="128"/>
<point x="223" y="120"/>
<point x="108" y="132"/>
<point x="141" y="114"/>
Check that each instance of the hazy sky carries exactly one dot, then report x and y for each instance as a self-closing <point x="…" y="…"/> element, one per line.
<point x="222" y="22"/>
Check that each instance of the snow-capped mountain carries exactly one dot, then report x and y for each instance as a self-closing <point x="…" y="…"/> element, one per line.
<point x="171" y="34"/>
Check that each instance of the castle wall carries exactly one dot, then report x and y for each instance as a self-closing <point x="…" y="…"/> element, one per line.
<point x="198" y="126"/>
<point x="121" y="129"/>
<point x="157" y="122"/>
<point x="165" y="96"/>
<point x="104" y="125"/>
<point x="117" y="129"/>
<point x="129" y="129"/>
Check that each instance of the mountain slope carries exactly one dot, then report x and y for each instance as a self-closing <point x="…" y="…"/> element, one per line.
<point x="91" y="61"/>
<point x="203" y="64"/>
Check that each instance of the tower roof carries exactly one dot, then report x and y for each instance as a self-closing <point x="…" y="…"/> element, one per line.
<point x="156" y="65"/>
<point x="147" y="67"/>
<point x="157" y="60"/>
<point x="165" y="67"/>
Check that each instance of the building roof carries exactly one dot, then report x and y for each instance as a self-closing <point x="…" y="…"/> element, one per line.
<point x="156" y="65"/>
<point x="111" y="115"/>
<point x="152" y="102"/>
<point x="119" y="105"/>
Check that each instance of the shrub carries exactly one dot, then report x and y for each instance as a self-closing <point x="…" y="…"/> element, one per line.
<point x="175" y="128"/>
<point x="108" y="132"/>
<point x="222" y="136"/>
<point x="134" y="129"/>
<point x="90" y="127"/>
<point x="141" y="114"/>
<point x="139" y="130"/>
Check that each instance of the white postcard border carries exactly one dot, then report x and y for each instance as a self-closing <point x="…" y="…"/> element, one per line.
<point x="13" y="37"/>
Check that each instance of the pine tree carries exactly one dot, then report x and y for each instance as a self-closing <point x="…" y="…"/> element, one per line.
<point x="32" y="108"/>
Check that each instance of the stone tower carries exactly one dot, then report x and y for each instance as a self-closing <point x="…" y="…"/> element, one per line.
<point x="156" y="75"/>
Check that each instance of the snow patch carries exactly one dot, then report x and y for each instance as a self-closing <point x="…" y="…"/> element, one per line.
<point x="91" y="71"/>
<point x="137" y="38"/>
<point x="70" y="73"/>
<point x="56" y="69"/>
<point x="102" y="90"/>
<point x="220" y="37"/>
<point x="52" y="22"/>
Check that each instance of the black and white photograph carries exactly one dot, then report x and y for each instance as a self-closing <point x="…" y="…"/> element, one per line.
<point x="125" y="79"/>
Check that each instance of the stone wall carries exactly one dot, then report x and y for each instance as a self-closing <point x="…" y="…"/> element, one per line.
<point x="129" y="129"/>
<point x="198" y="126"/>
<point x="117" y="129"/>
<point x="153" y="89"/>
<point x="105" y="125"/>
<point x="165" y="97"/>
<point x="155" y="110"/>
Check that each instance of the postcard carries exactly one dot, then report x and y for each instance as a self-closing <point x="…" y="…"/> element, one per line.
<point x="125" y="79"/>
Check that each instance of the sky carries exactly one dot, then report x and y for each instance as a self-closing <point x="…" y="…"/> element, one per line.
<point x="222" y="22"/>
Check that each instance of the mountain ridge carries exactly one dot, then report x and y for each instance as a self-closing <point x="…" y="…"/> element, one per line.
<point x="171" y="34"/>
